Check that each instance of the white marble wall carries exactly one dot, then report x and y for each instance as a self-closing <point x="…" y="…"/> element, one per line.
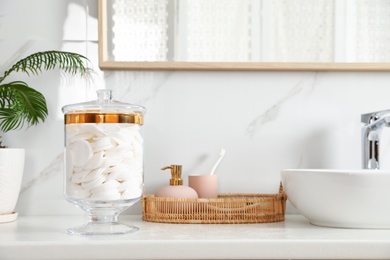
<point x="266" y="121"/>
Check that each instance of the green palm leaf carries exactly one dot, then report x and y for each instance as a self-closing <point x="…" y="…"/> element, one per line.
<point x="20" y="104"/>
<point x="34" y="64"/>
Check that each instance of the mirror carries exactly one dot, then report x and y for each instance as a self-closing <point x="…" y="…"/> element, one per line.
<point x="244" y="34"/>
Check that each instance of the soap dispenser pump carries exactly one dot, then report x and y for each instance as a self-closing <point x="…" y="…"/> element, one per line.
<point x="176" y="188"/>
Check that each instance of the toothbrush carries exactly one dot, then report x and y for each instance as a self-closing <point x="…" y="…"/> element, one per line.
<point x="221" y="155"/>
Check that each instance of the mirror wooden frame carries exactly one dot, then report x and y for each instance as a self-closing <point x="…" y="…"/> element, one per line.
<point x="106" y="64"/>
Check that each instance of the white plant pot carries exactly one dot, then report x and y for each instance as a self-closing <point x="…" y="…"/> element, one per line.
<point x="11" y="175"/>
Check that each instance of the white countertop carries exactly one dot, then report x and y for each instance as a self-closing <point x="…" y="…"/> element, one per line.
<point x="44" y="237"/>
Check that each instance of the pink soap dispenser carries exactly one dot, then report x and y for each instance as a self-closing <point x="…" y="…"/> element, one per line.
<point x="176" y="188"/>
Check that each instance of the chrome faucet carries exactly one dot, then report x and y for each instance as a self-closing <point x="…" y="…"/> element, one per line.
<point x="373" y="125"/>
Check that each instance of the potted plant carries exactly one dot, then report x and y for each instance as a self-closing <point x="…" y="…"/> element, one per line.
<point x="22" y="106"/>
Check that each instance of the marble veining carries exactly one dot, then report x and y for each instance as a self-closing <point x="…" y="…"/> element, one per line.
<point x="55" y="167"/>
<point x="137" y="87"/>
<point x="17" y="55"/>
<point x="271" y="114"/>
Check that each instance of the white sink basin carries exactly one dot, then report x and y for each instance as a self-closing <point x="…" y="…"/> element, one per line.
<point x="340" y="198"/>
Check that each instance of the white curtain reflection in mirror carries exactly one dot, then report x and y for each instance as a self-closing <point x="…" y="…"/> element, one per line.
<point x="302" y="30"/>
<point x="373" y="30"/>
<point x="139" y="30"/>
<point x="216" y="32"/>
<point x="249" y="30"/>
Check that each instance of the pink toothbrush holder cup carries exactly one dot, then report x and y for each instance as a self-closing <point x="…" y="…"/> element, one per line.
<point x="205" y="185"/>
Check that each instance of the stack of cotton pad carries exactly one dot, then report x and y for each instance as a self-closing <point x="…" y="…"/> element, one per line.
<point x="104" y="161"/>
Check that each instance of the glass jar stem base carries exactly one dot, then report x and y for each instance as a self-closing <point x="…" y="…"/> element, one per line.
<point x="102" y="225"/>
<point x="96" y="228"/>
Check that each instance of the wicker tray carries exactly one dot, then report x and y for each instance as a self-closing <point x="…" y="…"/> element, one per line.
<point x="226" y="209"/>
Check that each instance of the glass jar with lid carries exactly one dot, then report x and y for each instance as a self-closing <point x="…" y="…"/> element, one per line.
<point x="103" y="161"/>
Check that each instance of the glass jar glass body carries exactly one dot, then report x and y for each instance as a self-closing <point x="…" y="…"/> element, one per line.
<point x="103" y="165"/>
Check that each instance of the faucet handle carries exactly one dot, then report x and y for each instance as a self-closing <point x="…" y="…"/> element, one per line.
<point x="373" y="116"/>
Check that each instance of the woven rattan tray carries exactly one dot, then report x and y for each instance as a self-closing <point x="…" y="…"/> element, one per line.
<point x="226" y="209"/>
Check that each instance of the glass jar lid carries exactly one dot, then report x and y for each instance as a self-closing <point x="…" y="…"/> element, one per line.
<point x="104" y="110"/>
